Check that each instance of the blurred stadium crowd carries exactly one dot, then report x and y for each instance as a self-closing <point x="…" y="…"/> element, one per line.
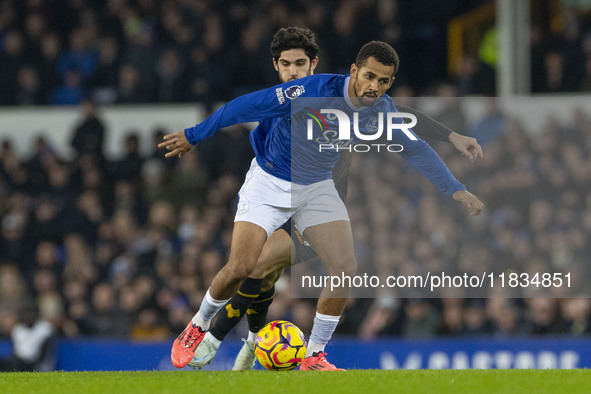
<point x="127" y="248"/>
<point x="117" y="51"/>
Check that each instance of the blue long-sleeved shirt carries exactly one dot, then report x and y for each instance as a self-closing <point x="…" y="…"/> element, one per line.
<point x="285" y="152"/>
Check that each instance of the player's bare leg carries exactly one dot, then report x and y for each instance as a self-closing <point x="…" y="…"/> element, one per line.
<point x="255" y="295"/>
<point x="248" y="240"/>
<point x="276" y="255"/>
<point x="333" y="242"/>
<point x="247" y="243"/>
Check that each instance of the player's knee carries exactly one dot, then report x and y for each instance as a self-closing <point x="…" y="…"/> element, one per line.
<point x="240" y="270"/>
<point x="346" y="266"/>
<point x="351" y="267"/>
<point x="268" y="283"/>
<point x="269" y="267"/>
<point x="270" y="278"/>
<point x="265" y="261"/>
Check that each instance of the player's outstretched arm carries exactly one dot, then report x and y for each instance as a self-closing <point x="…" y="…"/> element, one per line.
<point x="176" y="143"/>
<point x="468" y="146"/>
<point x="470" y="201"/>
<point x="427" y="127"/>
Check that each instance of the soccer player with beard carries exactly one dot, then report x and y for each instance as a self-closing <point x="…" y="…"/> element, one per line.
<point x="295" y="55"/>
<point x="265" y="198"/>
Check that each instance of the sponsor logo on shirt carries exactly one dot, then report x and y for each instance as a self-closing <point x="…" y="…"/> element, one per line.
<point x="280" y="97"/>
<point x="294" y="91"/>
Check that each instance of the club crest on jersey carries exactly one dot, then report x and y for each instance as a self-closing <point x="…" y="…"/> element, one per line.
<point x="294" y="91"/>
<point x="372" y="125"/>
<point x="242" y="207"/>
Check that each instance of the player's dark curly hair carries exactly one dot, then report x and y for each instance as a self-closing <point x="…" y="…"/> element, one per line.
<point x="288" y="38"/>
<point x="383" y="53"/>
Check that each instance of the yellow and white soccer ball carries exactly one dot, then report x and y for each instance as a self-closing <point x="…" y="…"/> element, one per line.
<point x="280" y="346"/>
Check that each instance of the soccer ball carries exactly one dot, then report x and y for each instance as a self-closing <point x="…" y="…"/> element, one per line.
<point x="280" y="346"/>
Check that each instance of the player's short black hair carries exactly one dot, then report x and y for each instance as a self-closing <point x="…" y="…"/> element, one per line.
<point x="383" y="53"/>
<point x="293" y="37"/>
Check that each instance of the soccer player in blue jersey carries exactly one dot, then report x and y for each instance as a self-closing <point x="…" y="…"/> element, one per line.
<point x="265" y="197"/>
<point x="295" y="55"/>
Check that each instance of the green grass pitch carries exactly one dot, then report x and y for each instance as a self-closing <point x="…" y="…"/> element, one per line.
<point x="261" y="382"/>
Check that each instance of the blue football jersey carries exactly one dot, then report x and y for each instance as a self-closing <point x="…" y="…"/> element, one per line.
<point x="272" y="139"/>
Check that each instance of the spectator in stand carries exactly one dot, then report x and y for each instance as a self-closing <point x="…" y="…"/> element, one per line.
<point x="571" y="49"/>
<point x="451" y="114"/>
<point x="420" y="319"/>
<point x="105" y="319"/>
<point x="12" y="59"/>
<point x="586" y="80"/>
<point x="35" y="27"/>
<point x="130" y="166"/>
<point x="29" y="90"/>
<point x="554" y="76"/>
<point x="89" y="135"/>
<point x="577" y="313"/>
<point x="80" y="56"/>
<point x="130" y="89"/>
<point x="13" y="290"/>
<point x="544" y="317"/>
<point x="71" y="92"/>
<point x="452" y="317"/>
<point x="169" y="75"/>
<point x="476" y="321"/>
<point x="13" y="242"/>
<point x="104" y="82"/>
<point x="47" y="62"/>
<point x="204" y="77"/>
<point x="149" y="327"/>
<point x="491" y="125"/>
<point x="233" y="29"/>
<point x="506" y="317"/>
<point x="33" y="342"/>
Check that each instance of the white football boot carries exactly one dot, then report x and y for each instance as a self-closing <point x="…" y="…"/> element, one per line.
<point x="204" y="354"/>
<point x="245" y="358"/>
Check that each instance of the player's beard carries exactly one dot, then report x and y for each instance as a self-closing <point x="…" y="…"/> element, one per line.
<point x="308" y="73"/>
<point x="360" y="100"/>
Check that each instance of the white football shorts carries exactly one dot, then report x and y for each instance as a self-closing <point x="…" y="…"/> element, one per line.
<point x="269" y="202"/>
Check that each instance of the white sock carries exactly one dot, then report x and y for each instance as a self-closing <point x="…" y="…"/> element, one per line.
<point x="324" y="326"/>
<point x="214" y="341"/>
<point x="252" y="336"/>
<point x="208" y="309"/>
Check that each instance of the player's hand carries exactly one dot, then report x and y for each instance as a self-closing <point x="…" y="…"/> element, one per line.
<point x="467" y="145"/>
<point x="469" y="200"/>
<point x="176" y="143"/>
